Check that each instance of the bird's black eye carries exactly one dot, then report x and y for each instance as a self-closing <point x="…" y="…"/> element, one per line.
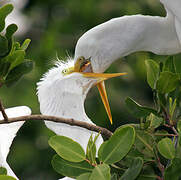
<point x="64" y="71"/>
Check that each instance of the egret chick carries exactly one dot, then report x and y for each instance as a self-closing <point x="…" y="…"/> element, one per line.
<point x="8" y="133"/>
<point x="62" y="92"/>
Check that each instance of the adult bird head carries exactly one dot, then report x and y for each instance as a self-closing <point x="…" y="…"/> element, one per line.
<point x="66" y="85"/>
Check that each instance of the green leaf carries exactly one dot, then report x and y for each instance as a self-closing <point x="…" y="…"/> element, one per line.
<point x="5" y="177"/>
<point x="167" y="82"/>
<point x="4" y="11"/>
<point x="155" y="121"/>
<point x="169" y="65"/>
<point x="173" y="171"/>
<point x="166" y="148"/>
<point x="70" y="169"/>
<point x="10" y="30"/>
<point x="137" y="110"/>
<point x="17" y="58"/>
<point x="15" y="74"/>
<point x="67" y="148"/>
<point x="144" y="143"/>
<point x="118" y="145"/>
<point x="101" y="172"/>
<point x="152" y="72"/>
<point x="3" y="171"/>
<point x="91" y="150"/>
<point x="25" y="44"/>
<point x="3" y="46"/>
<point x="100" y="151"/>
<point x="84" y="176"/>
<point x="134" y="170"/>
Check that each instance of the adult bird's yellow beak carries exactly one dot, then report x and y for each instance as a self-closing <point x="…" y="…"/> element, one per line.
<point x="101" y="77"/>
<point x="84" y="67"/>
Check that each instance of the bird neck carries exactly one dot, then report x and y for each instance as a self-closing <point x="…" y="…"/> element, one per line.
<point x="64" y="105"/>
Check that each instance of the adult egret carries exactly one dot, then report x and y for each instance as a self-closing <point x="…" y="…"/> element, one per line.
<point x="122" y="36"/>
<point x="8" y="133"/>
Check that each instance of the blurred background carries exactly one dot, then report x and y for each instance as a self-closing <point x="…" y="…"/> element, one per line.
<point x="54" y="26"/>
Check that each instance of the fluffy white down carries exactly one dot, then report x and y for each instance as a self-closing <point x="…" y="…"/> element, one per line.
<point x="8" y="133"/>
<point x="122" y="36"/>
<point x="64" y="96"/>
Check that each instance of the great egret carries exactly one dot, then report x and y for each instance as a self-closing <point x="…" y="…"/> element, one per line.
<point x="8" y="133"/>
<point x="122" y="36"/>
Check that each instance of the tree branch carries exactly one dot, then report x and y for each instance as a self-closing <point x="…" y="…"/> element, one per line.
<point x="105" y="132"/>
<point x="3" y="112"/>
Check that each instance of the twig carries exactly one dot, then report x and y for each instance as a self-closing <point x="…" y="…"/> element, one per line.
<point x="3" y="112"/>
<point x="105" y="132"/>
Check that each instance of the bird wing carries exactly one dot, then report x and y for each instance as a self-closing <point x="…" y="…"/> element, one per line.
<point x="8" y="133"/>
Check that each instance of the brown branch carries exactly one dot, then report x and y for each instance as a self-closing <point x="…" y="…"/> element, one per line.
<point x="3" y="111"/>
<point x="105" y="132"/>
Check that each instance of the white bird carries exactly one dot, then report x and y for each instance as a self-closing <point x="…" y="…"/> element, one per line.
<point x="8" y="133"/>
<point x="122" y="36"/>
<point x="62" y="92"/>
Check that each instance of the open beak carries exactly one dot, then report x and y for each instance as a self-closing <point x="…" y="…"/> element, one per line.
<point x="101" y="77"/>
<point x="84" y="67"/>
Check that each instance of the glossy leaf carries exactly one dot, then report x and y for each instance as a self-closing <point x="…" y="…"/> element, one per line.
<point x="5" y="177"/>
<point x="91" y="150"/>
<point x="70" y="169"/>
<point x="101" y="172"/>
<point x="67" y="148"/>
<point x="167" y="82"/>
<point x="100" y="151"/>
<point x="118" y="145"/>
<point x="152" y="72"/>
<point x="137" y="110"/>
<point x="173" y="172"/>
<point x="18" y="72"/>
<point x="4" y="11"/>
<point x="3" y="171"/>
<point x="10" y="30"/>
<point x="155" y="121"/>
<point x="134" y="170"/>
<point x="25" y="44"/>
<point x="17" y="58"/>
<point x="84" y="176"/>
<point x="166" y="148"/>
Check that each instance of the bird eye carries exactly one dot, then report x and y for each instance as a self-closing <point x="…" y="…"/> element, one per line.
<point x="81" y="59"/>
<point x="64" y="71"/>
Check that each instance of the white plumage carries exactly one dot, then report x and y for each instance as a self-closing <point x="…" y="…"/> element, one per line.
<point x="64" y="96"/>
<point x="121" y="36"/>
<point x="8" y="133"/>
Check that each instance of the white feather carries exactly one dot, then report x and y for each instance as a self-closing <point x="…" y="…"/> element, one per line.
<point x="8" y="133"/>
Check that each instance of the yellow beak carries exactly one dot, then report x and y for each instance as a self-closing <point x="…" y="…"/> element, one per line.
<point x="101" y="77"/>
